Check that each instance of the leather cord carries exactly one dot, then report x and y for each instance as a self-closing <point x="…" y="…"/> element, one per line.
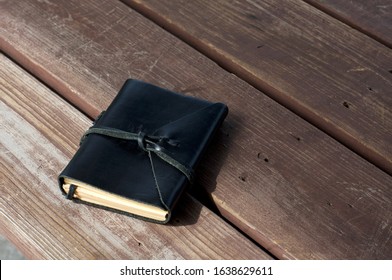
<point x="156" y="181"/>
<point x="145" y="142"/>
<point x="71" y="192"/>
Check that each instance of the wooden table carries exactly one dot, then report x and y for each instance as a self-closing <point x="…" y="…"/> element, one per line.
<point x="301" y="168"/>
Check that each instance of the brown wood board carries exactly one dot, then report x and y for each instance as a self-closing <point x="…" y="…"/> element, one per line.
<point x="293" y="189"/>
<point x="330" y="74"/>
<point x="39" y="134"/>
<point x="373" y="18"/>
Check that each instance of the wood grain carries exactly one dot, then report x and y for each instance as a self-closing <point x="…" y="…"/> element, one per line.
<point x="39" y="134"/>
<point x="330" y="74"/>
<point x="293" y="189"/>
<point x="373" y="18"/>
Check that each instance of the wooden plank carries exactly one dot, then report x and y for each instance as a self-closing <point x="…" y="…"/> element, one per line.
<point x="293" y="189"/>
<point x="39" y="134"/>
<point x="373" y="18"/>
<point x="333" y="76"/>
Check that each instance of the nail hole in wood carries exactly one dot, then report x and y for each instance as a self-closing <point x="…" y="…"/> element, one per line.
<point x="296" y="137"/>
<point x="259" y="156"/>
<point x="242" y="178"/>
<point x="260" y="46"/>
<point x="253" y="17"/>
<point x="346" y="104"/>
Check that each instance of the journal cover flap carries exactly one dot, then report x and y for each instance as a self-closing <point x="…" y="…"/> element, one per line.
<point x="189" y="132"/>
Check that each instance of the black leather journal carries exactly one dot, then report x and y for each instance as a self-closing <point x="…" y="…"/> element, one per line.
<point x="140" y="154"/>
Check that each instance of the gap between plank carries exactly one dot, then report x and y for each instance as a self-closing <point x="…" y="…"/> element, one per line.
<point x="44" y="77"/>
<point x="346" y="21"/>
<point x="288" y="102"/>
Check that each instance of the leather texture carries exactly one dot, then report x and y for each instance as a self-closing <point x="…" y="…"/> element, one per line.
<point x="180" y="126"/>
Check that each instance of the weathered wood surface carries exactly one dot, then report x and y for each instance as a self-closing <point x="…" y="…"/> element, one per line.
<point x="293" y="189"/>
<point x="374" y="17"/>
<point x="39" y="134"/>
<point x="332" y="75"/>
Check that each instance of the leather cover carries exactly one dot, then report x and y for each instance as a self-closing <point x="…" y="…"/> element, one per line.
<point x="184" y="126"/>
